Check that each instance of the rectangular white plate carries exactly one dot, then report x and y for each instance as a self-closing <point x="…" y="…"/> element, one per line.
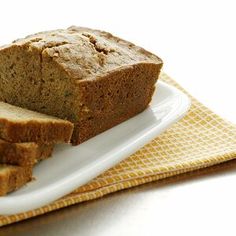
<point x="72" y="167"/>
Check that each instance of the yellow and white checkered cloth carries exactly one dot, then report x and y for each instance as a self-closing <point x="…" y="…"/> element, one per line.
<point x="199" y="140"/>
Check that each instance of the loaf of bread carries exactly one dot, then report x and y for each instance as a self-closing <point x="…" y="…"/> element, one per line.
<point x="23" y="154"/>
<point x="89" y="77"/>
<point x="13" y="177"/>
<point x="22" y="125"/>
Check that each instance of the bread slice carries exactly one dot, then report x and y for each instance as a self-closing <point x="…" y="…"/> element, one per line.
<point x="23" y="154"/>
<point x="21" y="125"/>
<point x="90" y="77"/>
<point x="13" y="177"/>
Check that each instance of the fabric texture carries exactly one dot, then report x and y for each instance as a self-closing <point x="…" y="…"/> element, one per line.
<point x="199" y="140"/>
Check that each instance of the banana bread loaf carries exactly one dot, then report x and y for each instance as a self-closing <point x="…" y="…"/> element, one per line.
<point x="22" y="125"/>
<point x="89" y="77"/>
<point x="23" y="154"/>
<point x="13" y="177"/>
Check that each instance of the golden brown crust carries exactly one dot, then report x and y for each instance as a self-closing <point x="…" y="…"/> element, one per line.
<point x="84" y="52"/>
<point x="114" y="98"/>
<point x="23" y="154"/>
<point x="13" y="177"/>
<point x="121" y="42"/>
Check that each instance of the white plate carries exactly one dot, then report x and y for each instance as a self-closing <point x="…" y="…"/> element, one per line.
<point x="72" y="167"/>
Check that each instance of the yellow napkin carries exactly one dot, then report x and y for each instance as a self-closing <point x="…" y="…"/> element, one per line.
<point x="199" y="140"/>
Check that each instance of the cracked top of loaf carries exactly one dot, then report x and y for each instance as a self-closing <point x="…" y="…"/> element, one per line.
<point x="85" y="53"/>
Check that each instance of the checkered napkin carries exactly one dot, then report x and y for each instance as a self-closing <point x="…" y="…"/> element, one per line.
<point x="199" y="140"/>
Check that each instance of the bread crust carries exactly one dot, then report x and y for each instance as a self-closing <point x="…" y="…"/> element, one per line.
<point x="114" y="98"/>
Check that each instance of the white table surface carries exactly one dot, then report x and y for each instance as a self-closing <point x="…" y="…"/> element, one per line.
<point x="196" y="40"/>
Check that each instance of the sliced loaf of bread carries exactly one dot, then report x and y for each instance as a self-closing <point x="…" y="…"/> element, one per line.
<point x="13" y="177"/>
<point x="22" y="125"/>
<point x="23" y="154"/>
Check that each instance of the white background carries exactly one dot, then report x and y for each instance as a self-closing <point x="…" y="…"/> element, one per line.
<point x="197" y="41"/>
